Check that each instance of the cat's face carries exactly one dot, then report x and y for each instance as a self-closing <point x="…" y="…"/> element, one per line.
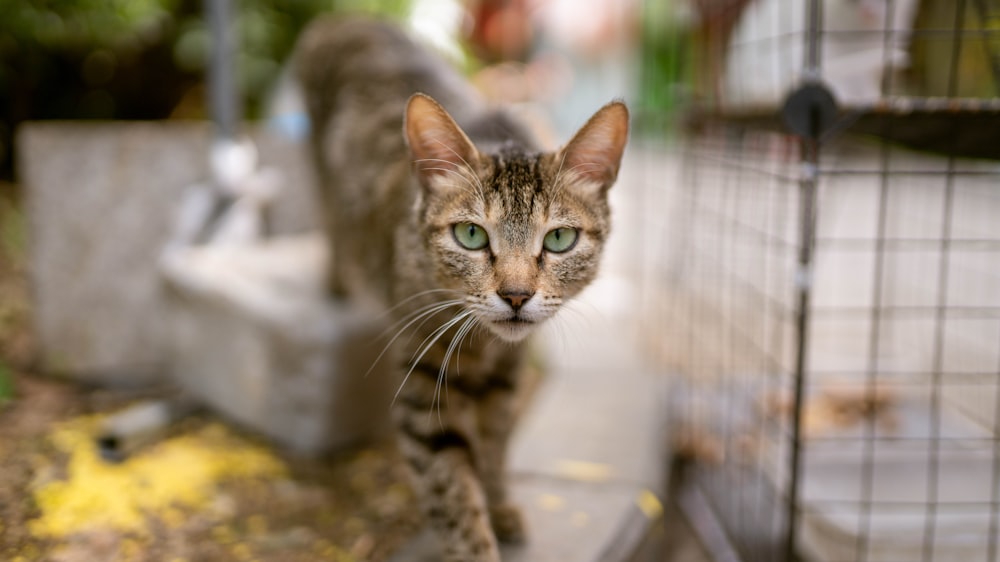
<point x="515" y="234"/>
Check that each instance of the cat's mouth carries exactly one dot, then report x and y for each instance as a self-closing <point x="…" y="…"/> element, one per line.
<point x="513" y="329"/>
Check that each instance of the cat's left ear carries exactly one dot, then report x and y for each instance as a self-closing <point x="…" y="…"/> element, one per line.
<point x="437" y="144"/>
<point x="592" y="158"/>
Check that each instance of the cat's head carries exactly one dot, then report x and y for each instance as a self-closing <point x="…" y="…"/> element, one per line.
<point x="516" y="233"/>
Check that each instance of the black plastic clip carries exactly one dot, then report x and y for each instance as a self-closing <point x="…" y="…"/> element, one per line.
<point x="810" y="110"/>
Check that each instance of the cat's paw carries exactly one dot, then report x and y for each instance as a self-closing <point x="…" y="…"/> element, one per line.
<point x="508" y="524"/>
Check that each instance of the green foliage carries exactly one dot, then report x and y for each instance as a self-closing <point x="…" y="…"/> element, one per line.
<point x="267" y="30"/>
<point x="392" y="8"/>
<point x="74" y="24"/>
<point x="664" y="64"/>
<point x="139" y="59"/>
<point x="12" y="233"/>
<point x="6" y="384"/>
<point x="40" y="30"/>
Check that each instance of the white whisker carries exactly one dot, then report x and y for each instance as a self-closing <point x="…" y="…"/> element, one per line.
<point x="426" y="345"/>
<point x="574" y="304"/>
<point x="442" y="379"/>
<point x="424" y="313"/>
<point x="562" y="178"/>
<point x="436" y="335"/>
<point x="415" y="296"/>
<point x="464" y="161"/>
<point x="469" y="173"/>
<point x="470" y="189"/>
<point x="556" y="185"/>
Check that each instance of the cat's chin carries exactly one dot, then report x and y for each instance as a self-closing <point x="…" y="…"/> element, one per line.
<point x="512" y="331"/>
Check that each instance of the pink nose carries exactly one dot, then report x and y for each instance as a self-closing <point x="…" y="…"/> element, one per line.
<point x="515" y="298"/>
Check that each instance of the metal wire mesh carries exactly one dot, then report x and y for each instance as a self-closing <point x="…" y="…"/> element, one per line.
<point x="832" y="304"/>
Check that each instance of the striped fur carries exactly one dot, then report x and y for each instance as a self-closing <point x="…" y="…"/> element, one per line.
<point x="398" y="172"/>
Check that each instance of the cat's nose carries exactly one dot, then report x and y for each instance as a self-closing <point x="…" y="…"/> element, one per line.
<point x="515" y="298"/>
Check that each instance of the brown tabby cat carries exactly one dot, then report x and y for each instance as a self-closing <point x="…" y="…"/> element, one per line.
<point x="468" y="233"/>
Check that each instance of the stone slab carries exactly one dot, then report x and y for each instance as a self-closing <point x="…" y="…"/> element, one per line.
<point x="598" y="425"/>
<point x="253" y="335"/>
<point x="101" y="200"/>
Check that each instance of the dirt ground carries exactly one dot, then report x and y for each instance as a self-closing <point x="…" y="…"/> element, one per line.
<point x="353" y="506"/>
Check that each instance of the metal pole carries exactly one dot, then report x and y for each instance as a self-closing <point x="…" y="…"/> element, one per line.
<point x="224" y="103"/>
<point x="803" y="282"/>
<point x="803" y="285"/>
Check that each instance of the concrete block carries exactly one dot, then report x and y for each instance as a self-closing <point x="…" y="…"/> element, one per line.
<point x="252" y="335"/>
<point x="101" y="199"/>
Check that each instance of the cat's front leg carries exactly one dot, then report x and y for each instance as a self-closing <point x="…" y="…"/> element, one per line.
<point x="439" y="448"/>
<point x="496" y="422"/>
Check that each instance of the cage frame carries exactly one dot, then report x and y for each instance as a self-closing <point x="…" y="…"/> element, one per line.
<point x="882" y="118"/>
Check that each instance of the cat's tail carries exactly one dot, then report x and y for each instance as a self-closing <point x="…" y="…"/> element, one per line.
<point x="330" y="53"/>
<point x="373" y="58"/>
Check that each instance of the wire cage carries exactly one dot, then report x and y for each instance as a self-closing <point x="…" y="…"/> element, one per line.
<point x="827" y="285"/>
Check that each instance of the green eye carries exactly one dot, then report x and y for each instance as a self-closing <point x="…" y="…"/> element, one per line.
<point x="560" y="240"/>
<point x="470" y="236"/>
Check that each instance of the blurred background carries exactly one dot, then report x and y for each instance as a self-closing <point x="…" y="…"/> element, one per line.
<point x="105" y="59"/>
<point x="792" y="352"/>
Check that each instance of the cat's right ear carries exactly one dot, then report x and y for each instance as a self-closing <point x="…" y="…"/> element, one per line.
<point x="438" y="146"/>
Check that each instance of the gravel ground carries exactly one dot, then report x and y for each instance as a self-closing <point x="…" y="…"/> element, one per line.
<point x="352" y="506"/>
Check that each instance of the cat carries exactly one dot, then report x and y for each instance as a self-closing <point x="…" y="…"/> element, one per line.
<point x="456" y="222"/>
